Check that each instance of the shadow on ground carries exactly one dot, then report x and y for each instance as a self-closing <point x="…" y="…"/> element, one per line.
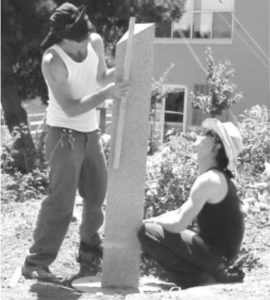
<point x="45" y="291"/>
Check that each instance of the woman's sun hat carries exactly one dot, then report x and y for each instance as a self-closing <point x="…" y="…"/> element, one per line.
<point x="230" y="137"/>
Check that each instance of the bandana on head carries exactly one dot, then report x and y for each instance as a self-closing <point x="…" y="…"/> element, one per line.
<point x="67" y="22"/>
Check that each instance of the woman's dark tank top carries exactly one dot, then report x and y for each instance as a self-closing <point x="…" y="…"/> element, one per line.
<point x="221" y="225"/>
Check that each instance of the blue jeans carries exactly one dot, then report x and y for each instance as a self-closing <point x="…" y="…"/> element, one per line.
<point x="185" y="257"/>
<point x="76" y="161"/>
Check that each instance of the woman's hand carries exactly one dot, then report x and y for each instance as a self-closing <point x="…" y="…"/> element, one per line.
<point x="151" y="220"/>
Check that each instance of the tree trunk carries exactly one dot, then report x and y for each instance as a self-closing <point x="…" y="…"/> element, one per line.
<point x="17" y="123"/>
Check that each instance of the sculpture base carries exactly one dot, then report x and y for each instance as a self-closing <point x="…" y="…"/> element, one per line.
<point x="93" y="285"/>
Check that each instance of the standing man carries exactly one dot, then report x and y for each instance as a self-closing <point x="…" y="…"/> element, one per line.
<point x="75" y="72"/>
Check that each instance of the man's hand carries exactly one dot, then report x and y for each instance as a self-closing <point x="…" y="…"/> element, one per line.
<point x="118" y="90"/>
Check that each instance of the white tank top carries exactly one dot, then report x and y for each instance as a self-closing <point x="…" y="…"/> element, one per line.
<point x="82" y="77"/>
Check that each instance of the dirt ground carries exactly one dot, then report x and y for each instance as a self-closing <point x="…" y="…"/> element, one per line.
<point x="18" y="220"/>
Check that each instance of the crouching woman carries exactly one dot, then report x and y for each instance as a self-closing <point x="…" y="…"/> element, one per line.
<point x="193" y="258"/>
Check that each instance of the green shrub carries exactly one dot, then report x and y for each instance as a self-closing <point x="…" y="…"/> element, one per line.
<point x="18" y="186"/>
<point x="170" y="175"/>
<point x="21" y="187"/>
<point x="255" y="130"/>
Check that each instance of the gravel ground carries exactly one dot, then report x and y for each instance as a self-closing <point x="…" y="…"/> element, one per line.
<point x="18" y="221"/>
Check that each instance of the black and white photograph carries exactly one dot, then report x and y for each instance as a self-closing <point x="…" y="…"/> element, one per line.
<point x="135" y="149"/>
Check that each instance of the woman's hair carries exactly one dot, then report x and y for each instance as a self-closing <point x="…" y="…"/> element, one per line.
<point x="221" y="157"/>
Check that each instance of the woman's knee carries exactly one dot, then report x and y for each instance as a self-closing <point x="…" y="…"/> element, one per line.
<point x="151" y="232"/>
<point x="141" y="233"/>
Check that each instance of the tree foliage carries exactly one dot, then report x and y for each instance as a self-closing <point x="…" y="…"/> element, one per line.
<point x="24" y="24"/>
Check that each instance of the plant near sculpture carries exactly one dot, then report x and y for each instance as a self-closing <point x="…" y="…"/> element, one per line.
<point x="255" y="130"/>
<point x="222" y="91"/>
<point x="170" y="175"/>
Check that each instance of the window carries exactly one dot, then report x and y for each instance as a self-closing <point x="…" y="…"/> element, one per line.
<point x="174" y="104"/>
<point x="174" y="107"/>
<point x="202" y="19"/>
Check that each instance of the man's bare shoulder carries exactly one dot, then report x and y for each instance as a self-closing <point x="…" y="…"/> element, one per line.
<point x="53" y="67"/>
<point x="97" y="42"/>
<point x="96" y="38"/>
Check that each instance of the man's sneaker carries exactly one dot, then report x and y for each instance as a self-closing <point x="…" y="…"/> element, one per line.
<point x="41" y="273"/>
<point x="86" y="269"/>
<point x="92" y="269"/>
<point x="90" y="260"/>
<point x="89" y="253"/>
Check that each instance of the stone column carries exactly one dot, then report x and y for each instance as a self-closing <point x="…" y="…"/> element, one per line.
<point x="125" y="197"/>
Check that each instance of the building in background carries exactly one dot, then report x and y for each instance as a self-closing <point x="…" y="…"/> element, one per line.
<point x="236" y="30"/>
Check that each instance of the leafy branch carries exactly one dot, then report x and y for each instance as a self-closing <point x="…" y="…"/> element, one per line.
<point x="222" y="91"/>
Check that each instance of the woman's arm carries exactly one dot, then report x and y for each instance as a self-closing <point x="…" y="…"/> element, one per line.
<point x="206" y="188"/>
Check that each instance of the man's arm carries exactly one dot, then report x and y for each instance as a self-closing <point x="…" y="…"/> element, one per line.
<point x="55" y="72"/>
<point x="207" y="188"/>
<point x="104" y="75"/>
